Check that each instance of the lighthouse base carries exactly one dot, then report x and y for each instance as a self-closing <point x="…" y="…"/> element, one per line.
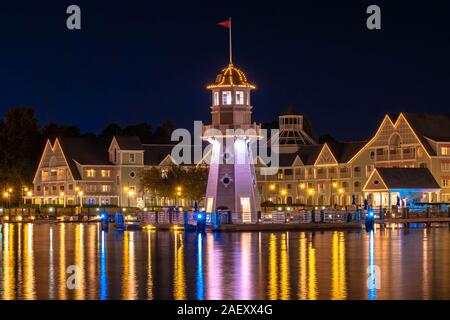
<point x="232" y="182"/>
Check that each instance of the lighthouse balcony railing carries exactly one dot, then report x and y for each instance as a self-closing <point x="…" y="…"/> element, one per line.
<point x="252" y="129"/>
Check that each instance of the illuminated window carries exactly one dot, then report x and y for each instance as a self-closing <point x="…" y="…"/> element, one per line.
<point x="216" y="98"/>
<point x="445" y="151"/>
<point x="132" y="158"/>
<point x="445" y="182"/>
<point x="106" y="188"/>
<point x="106" y="173"/>
<point x="239" y="97"/>
<point x="90" y="173"/>
<point x="226" y="97"/>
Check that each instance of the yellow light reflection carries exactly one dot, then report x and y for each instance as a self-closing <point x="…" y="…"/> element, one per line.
<point x="92" y="256"/>
<point x="179" y="281"/>
<point x="129" y="267"/>
<point x="312" y="283"/>
<point x="29" y="291"/>
<point x="284" y="278"/>
<point x="302" y="272"/>
<point x="62" y="293"/>
<point x="149" y="267"/>
<point x="79" y="261"/>
<point x="9" y="289"/>
<point x="339" y="289"/>
<point x="273" y="268"/>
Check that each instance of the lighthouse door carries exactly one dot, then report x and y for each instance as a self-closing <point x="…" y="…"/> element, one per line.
<point x="245" y="209"/>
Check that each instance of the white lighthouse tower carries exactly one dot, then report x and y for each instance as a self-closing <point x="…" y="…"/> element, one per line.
<point x="231" y="181"/>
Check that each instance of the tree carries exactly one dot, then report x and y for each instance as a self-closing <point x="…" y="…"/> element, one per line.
<point x="163" y="133"/>
<point x="21" y="143"/>
<point x="142" y="130"/>
<point x="164" y="182"/>
<point x="110" y="131"/>
<point x="195" y="182"/>
<point x="53" y="130"/>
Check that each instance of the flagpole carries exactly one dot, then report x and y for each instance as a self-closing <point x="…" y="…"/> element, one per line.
<point x="231" y="44"/>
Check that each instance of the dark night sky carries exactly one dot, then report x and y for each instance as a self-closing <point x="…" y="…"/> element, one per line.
<point x="137" y="61"/>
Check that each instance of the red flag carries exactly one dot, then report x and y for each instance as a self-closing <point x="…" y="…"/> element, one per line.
<point x="225" y="24"/>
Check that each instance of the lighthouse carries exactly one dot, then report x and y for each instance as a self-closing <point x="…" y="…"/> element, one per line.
<point x="232" y="181"/>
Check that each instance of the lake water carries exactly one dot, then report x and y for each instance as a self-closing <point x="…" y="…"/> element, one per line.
<point x="43" y="261"/>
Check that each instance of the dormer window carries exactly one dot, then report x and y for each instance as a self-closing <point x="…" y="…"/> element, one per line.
<point x="240" y="97"/>
<point x="226" y="97"/>
<point x="132" y="158"/>
<point x="90" y="173"/>
<point x="115" y="155"/>
<point x="216" y="98"/>
<point x="445" y="151"/>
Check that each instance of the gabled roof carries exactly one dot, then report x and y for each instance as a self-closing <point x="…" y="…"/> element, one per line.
<point x="155" y="153"/>
<point x="85" y="151"/>
<point x="408" y="178"/>
<point x="129" y="143"/>
<point x="309" y="154"/>
<point x="286" y="159"/>
<point x="427" y="125"/>
<point x="344" y="151"/>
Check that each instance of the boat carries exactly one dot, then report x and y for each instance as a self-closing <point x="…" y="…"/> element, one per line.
<point x="121" y="224"/>
<point x="119" y="221"/>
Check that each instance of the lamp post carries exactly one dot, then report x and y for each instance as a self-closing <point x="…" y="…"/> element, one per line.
<point x="126" y="190"/>
<point x="63" y="196"/>
<point x="80" y="195"/>
<point x="130" y="194"/>
<point x="6" y="195"/>
<point x="311" y="193"/>
<point x="341" y="191"/>
<point x="333" y="185"/>
<point x="178" y="193"/>
<point x="283" y="193"/>
<point x="24" y="192"/>
<point x="302" y="187"/>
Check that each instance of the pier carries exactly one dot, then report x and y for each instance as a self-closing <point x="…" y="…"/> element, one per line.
<point x="286" y="220"/>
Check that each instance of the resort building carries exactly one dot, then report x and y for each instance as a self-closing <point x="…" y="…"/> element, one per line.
<point x="335" y="173"/>
<point x="98" y="172"/>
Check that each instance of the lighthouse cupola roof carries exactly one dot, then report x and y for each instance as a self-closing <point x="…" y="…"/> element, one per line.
<point x="231" y="76"/>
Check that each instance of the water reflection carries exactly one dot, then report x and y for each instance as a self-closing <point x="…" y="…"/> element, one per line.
<point x="179" y="282"/>
<point x="28" y="254"/>
<point x="284" y="278"/>
<point x="273" y="268"/>
<point x="129" y="284"/>
<point x="79" y="262"/>
<point x="34" y="260"/>
<point x="373" y="274"/>
<point x="9" y="288"/>
<point x="149" y="266"/>
<point x="339" y="289"/>
<point x="307" y="281"/>
<point x="103" y="270"/>
<point x="200" y="284"/>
